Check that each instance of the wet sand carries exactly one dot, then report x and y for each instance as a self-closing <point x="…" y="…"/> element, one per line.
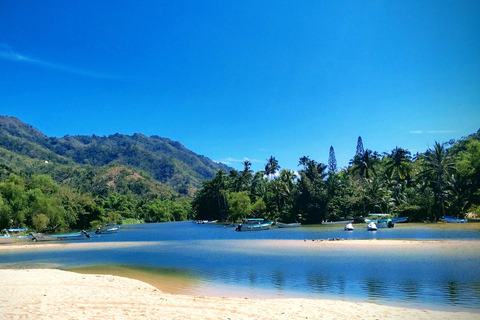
<point x="56" y="294"/>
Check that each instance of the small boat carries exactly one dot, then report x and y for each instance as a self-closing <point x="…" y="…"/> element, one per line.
<point x="371" y="226"/>
<point x="400" y="219"/>
<point x="337" y="222"/>
<point x="385" y="223"/>
<point x="16" y="230"/>
<point x="288" y="225"/>
<point x="107" y="228"/>
<point x="59" y="237"/>
<point x="349" y="227"/>
<point x="450" y="219"/>
<point x="206" y="221"/>
<point x="6" y="237"/>
<point x="254" y="224"/>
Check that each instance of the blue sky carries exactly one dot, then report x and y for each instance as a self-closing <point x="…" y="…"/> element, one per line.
<point x="236" y="80"/>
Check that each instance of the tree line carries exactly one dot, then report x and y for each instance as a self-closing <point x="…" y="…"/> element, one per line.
<point x="38" y="202"/>
<point x="444" y="180"/>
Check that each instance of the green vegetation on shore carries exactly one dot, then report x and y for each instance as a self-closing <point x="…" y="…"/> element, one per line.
<point x="445" y="180"/>
<point x="52" y="185"/>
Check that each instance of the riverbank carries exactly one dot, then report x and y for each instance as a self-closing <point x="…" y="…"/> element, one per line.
<point x="56" y="294"/>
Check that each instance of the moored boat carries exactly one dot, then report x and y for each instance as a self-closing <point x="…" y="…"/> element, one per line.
<point x="288" y="225"/>
<point x="206" y="221"/>
<point x="349" y="227"/>
<point x="254" y="224"/>
<point x="337" y="222"/>
<point x="372" y="226"/>
<point x="6" y="238"/>
<point x="385" y="223"/>
<point x="59" y="237"/>
<point x="108" y="228"/>
<point x="450" y="219"/>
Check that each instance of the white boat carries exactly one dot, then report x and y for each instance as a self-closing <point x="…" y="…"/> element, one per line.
<point x="107" y="228"/>
<point x="59" y="237"/>
<point x="337" y="222"/>
<point x="349" y="227"/>
<point x="454" y="220"/>
<point x="16" y="230"/>
<point x="254" y="224"/>
<point x="206" y="221"/>
<point x="371" y="226"/>
<point x="288" y="225"/>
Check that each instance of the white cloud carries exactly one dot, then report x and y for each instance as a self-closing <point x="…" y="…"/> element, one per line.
<point x="230" y="160"/>
<point x="7" y="53"/>
<point x="431" y="131"/>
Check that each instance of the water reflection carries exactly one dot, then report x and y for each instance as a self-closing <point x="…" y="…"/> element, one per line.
<point x="278" y="280"/>
<point x="375" y="288"/>
<point x="219" y="258"/>
<point x="409" y="289"/>
<point x="318" y="283"/>
<point x="451" y="289"/>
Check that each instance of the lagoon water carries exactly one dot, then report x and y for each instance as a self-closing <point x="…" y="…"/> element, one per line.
<point x="183" y="257"/>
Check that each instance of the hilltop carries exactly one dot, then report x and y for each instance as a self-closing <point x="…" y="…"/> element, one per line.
<point x="166" y="161"/>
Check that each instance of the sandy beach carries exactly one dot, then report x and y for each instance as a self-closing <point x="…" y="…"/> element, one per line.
<point x="56" y="294"/>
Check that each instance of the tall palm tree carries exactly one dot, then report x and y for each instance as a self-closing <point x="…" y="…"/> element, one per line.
<point x="438" y="164"/>
<point x="246" y="175"/>
<point x="398" y="164"/>
<point x="220" y="185"/>
<point x="272" y="166"/>
<point x="363" y="163"/>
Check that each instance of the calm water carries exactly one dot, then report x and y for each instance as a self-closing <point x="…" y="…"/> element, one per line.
<point x="216" y="260"/>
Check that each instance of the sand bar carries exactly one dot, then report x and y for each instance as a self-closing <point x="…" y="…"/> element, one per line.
<point x="56" y="294"/>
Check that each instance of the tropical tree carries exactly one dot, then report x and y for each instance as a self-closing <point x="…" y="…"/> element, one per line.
<point x="363" y="166"/>
<point x="438" y="165"/>
<point x="287" y="194"/>
<point x="398" y="164"/>
<point x="240" y="205"/>
<point x="246" y="175"/>
<point x="271" y="167"/>
<point x="219" y="184"/>
<point x="312" y="197"/>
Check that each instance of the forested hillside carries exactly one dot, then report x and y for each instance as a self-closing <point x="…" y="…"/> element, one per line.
<point x="78" y="182"/>
<point x="165" y="160"/>
<point x="444" y="180"/>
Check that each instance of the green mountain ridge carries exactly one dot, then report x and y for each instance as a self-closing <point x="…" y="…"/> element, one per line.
<point x="167" y="161"/>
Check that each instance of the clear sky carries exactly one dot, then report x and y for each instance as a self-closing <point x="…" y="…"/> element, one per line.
<point x="236" y="80"/>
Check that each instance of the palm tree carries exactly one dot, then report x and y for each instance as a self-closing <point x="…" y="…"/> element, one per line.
<point x="398" y="164"/>
<point x="438" y="164"/>
<point x="272" y="166"/>
<point x="219" y="183"/>
<point x="363" y="163"/>
<point x="246" y="175"/>
<point x="303" y="161"/>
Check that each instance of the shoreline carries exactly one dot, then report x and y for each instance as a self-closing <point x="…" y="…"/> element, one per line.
<point x="57" y="294"/>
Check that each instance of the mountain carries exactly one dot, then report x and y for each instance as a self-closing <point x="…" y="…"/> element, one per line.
<point x="167" y="161"/>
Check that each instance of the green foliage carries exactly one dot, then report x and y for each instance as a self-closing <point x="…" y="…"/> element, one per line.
<point x="240" y="205"/>
<point x="423" y="188"/>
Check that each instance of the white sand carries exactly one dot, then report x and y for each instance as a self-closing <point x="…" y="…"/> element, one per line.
<point x="55" y="294"/>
